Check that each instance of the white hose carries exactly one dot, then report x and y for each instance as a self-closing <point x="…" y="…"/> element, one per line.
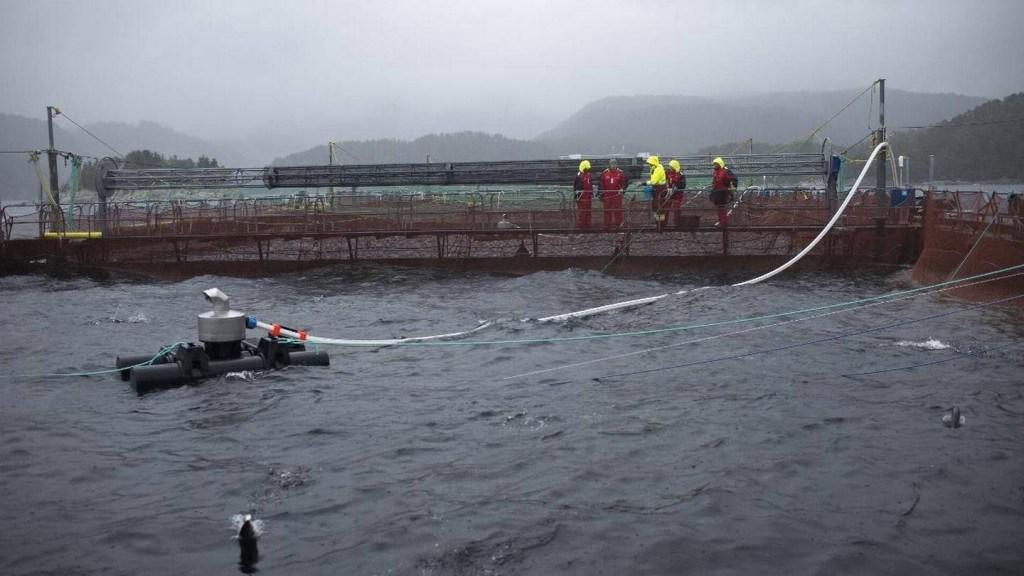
<point x="348" y="342"/>
<point x="599" y="309"/>
<point x="616" y="306"/>
<point x="826" y="229"/>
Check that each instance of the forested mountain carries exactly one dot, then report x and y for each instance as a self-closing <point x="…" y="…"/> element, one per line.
<point x="683" y="124"/>
<point x="459" y="147"/>
<point x="18" y="179"/>
<point x="984" y="144"/>
<point x="986" y="147"/>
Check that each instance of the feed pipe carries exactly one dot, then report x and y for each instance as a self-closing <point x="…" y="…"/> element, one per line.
<point x="589" y="311"/>
<point x="277" y="330"/>
<point x="826" y="229"/>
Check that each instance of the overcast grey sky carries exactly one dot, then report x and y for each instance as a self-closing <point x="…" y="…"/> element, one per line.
<point x="307" y="71"/>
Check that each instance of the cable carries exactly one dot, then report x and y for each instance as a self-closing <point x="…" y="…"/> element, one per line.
<point x="744" y="331"/>
<point x="164" y="350"/>
<point x="959" y="356"/>
<point x="995" y="216"/>
<point x="848" y="148"/>
<point x="98" y="139"/>
<point x="834" y="116"/>
<point x="338" y="146"/>
<point x="702" y="325"/>
<point x="959" y="124"/>
<point x="809" y="342"/>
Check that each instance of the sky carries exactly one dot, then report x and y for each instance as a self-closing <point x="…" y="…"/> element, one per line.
<point x="302" y="72"/>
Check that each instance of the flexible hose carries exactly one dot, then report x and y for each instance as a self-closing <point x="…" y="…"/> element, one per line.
<point x="349" y="342"/>
<point x="826" y="229"/>
<point x="600" y="309"/>
<point x="618" y="305"/>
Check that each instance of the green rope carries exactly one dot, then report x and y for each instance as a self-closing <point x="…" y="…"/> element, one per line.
<point x="890" y="295"/>
<point x="587" y="337"/>
<point x="164" y="350"/>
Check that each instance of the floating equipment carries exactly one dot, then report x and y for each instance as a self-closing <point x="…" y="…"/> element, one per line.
<point x="224" y="349"/>
<point x="953" y="418"/>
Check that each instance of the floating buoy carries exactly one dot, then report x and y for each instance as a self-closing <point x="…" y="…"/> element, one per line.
<point x="249" y="551"/>
<point x="224" y="349"/>
<point x="953" y="419"/>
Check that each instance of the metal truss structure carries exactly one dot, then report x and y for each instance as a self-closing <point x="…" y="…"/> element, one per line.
<point x="561" y="171"/>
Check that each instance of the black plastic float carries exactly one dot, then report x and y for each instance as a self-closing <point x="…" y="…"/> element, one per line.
<point x="224" y="349"/>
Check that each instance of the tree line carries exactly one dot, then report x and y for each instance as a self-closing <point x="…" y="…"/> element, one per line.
<point x="144" y="159"/>
<point x="151" y="159"/>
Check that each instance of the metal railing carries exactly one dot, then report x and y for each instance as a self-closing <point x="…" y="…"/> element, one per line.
<point x="446" y="174"/>
<point x="403" y="211"/>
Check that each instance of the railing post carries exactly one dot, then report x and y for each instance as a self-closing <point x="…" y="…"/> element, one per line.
<point x="881" y="197"/>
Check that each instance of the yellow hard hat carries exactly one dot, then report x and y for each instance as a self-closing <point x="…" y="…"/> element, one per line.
<point x="719" y="161"/>
<point x="653" y="160"/>
<point x="675" y="165"/>
<point x="585" y="165"/>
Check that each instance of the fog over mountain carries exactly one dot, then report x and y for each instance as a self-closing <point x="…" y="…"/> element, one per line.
<point x="683" y="124"/>
<point x="662" y="124"/>
<point x="248" y="81"/>
<point x="280" y="76"/>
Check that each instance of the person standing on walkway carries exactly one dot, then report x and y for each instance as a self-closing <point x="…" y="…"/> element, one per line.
<point x="676" y="189"/>
<point x="723" y="182"/>
<point x="613" y="182"/>
<point x="583" y="192"/>
<point x="658" y="189"/>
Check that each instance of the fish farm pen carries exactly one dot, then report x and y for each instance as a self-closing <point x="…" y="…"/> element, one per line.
<point x="496" y="216"/>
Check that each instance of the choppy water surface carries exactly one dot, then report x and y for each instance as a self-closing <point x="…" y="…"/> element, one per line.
<point x="431" y="460"/>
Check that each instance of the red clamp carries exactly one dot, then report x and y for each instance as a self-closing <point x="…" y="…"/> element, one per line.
<point x="275" y="330"/>
<point x="302" y="334"/>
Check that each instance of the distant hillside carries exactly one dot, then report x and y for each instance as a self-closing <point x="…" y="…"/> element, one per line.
<point x="984" y="144"/>
<point x="458" y="147"/>
<point x="18" y="180"/>
<point x="630" y="124"/>
<point x="682" y="124"/>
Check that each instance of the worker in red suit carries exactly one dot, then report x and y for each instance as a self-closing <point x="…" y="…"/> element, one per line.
<point x="676" y="187"/>
<point x="613" y="182"/>
<point x="723" y="182"/>
<point x="583" y="192"/>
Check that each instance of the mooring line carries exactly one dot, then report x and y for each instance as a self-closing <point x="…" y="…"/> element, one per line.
<point x="744" y="331"/>
<point x="808" y="342"/>
<point x="682" y="328"/>
<point x="958" y="356"/>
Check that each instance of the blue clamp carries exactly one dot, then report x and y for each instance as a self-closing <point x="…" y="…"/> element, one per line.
<point x="250" y="322"/>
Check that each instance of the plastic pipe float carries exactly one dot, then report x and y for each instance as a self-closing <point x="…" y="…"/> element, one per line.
<point x="224" y="349"/>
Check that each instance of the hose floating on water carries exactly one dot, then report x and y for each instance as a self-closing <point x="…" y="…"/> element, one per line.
<point x="301" y="335"/>
<point x="599" y="309"/>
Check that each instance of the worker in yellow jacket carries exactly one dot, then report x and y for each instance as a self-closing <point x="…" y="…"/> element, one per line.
<point x="657" y="187"/>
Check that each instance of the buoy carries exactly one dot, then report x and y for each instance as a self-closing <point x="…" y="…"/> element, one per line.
<point x="224" y="349"/>
<point x="953" y="419"/>
<point x="249" y="551"/>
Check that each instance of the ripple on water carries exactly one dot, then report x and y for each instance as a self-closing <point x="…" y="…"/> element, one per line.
<point x="426" y="460"/>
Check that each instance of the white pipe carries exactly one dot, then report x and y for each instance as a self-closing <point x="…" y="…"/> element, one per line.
<point x="615" y="306"/>
<point x="600" y="309"/>
<point x="827" y="227"/>
<point x="348" y="342"/>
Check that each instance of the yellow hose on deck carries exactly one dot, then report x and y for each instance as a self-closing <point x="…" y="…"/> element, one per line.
<point x="73" y="235"/>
